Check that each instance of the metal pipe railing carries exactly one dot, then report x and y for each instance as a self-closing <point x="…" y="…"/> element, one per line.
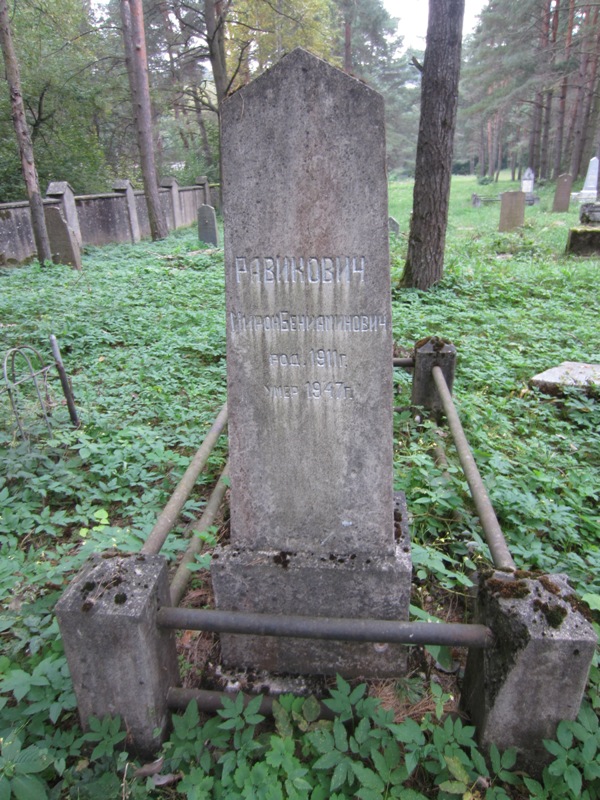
<point x="407" y="363"/>
<point x="183" y="574"/>
<point x="489" y="522"/>
<point x="349" y="630"/>
<point x="171" y="511"/>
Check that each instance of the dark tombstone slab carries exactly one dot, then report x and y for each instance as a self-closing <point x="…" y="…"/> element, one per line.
<point x="309" y="353"/>
<point x="512" y="211"/>
<point x="63" y="241"/>
<point x="207" y="225"/>
<point x="562" y="194"/>
<point x="394" y="226"/>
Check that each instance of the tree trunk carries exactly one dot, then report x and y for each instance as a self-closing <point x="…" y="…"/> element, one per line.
<point x="13" y="77"/>
<point x="439" y="100"/>
<point x="134" y="40"/>
<point x="545" y="150"/>
<point x="215" y="35"/>
<point x="562" y="103"/>
<point x="577" y="132"/>
<point x="206" y="151"/>
<point x="536" y="132"/>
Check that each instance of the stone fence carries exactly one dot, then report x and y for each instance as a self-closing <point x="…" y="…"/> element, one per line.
<point x="97" y="219"/>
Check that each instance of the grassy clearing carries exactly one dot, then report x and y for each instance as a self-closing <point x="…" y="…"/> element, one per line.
<point x="142" y="332"/>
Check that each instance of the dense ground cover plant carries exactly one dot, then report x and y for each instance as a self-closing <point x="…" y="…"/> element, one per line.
<point x="142" y="332"/>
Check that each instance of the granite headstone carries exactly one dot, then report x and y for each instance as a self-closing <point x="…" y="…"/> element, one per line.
<point x="63" y="241"/>
<point x="207" y="225"/>
<point x="309" y="354"/>
<point x="562" y="194"/>
<point x="512" y="211"/>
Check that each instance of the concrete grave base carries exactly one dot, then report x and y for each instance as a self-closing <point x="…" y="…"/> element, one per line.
<point x="119" y="660"/>
<point x="534" y="676"/>
<point x="351" y="585"/>
<point x="584" y="241"/>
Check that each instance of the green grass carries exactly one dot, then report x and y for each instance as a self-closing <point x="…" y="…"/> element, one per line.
<point x="142" y="333"/>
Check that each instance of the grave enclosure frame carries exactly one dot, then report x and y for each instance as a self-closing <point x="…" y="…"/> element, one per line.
<point x="330" y="231"/>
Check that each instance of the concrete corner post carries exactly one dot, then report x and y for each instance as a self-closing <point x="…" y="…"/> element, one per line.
<point x="534" y="676"/>
<point x="429" y="353"/>
<point x="120" y="661"/>
<point x="173" y="185"/>
<point x="125" y="187"/>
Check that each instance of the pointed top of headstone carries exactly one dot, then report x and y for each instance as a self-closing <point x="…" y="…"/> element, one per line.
<point x="300" y="61"/>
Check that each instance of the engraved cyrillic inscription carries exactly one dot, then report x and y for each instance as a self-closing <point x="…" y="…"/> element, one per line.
<point x="300" y="270"/>
<point x="291" y="322"/>
<point x="321" y="358"/>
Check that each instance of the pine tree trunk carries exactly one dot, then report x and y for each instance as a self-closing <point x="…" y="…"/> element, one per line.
<point x="577" y="132"/>
<point x="134" y="40"/>
<point x="215" y="34"/>
<point x="545" y="154"/>
<point x="13" y="77"/>
<point x="439" y="100"/>
<point x="536" y="131"/>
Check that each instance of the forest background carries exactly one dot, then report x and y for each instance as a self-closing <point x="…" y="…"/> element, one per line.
<point x="528" y="93"/>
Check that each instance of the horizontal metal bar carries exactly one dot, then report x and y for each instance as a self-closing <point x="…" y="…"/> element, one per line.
<point x="407" y="363"/>
<point x="487" y="516"/>
<point x="349" y="630"/>
<point x="178" y="699"/>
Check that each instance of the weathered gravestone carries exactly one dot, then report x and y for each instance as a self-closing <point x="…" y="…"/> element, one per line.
<point x="512" y="211"/>
<point x="562" y="194"/>
<point x="63" y="241"/>
<point x="62" y="191"/>
<point x="309" y="355"/>
<point x="207" y="225"/>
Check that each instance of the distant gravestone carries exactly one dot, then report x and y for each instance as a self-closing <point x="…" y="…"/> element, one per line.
<point x="512" y="211"/>
<point x="63" y="241"/>
<point x="62" y="191"/>
<point x="562" y="195"/>
<point x="394" y="226"/>
<point x="309" y="356"/>
<point x="528" y="181"/>
<point x="207" y="225"/>
<point x="590" y="187"/>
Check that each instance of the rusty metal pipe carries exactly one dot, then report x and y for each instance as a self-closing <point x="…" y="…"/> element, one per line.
<point x="171" y="511"/>
<point x="178" y="699"/>
<point x="489" y="522"/>
<point x="350" y="630"/>
<point x="183" y="574"/>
